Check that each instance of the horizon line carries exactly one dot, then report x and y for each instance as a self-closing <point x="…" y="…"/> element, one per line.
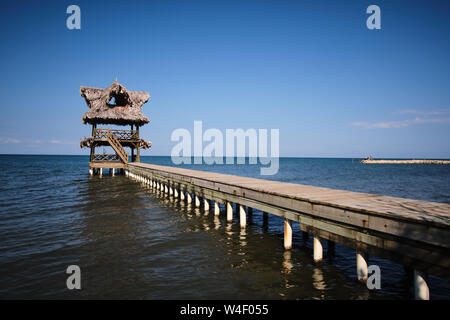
<point x="294" y="157"/>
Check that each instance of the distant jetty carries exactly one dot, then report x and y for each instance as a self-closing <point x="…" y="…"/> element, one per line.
<point x="406" y="161"/>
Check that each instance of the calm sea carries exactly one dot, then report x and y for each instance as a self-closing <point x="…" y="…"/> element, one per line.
<point x="133" y="244"/>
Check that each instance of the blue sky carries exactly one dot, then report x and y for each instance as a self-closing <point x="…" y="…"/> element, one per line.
<point x="309" y="68"/>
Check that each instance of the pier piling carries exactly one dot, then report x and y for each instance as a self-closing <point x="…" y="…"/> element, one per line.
<point x="242" y="216"/>
<point x="421" y="290"/>
<point x="287" y="234"/>
<point x="265" y="219"/>
<point x="361" y="266"/>
<point x="216" y="208"/>
<point x="318" y="249"/>
<point x="197" y="201"/>
<point x="229" y="212"/>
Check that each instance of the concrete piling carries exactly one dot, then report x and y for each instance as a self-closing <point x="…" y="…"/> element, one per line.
<point x="421" y="290"/>
<point x="216" y="208"/>
<point x="361" y="266"/>
<point x="318" y="249"/>
<point x="229" y="212"/>
<point x="287" y="234"/>
<point x="242" y="216"/>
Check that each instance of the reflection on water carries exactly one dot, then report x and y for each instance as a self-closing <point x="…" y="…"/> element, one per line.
<point x="287" y="263"/>
<point x="216" y="223"/>
<point x="132" y="241"/>
<point x="242" y="237"/>
<point x="317" y="278"/>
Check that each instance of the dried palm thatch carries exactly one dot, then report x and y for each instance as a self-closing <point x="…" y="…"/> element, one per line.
<point x="87" y="142"/>
<point x="125" y="111"/>
<point x="144" y="144"/>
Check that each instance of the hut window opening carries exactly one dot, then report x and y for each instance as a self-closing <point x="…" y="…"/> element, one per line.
<point x="118" y="100"/>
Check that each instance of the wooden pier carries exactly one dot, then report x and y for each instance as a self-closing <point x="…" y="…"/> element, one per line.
<point x="411" y="232"/>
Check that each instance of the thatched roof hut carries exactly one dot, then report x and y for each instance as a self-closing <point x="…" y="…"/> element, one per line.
<point x="125" y="111"/>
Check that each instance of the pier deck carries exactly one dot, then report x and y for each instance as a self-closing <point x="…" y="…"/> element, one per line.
<point x="411" y="232"/>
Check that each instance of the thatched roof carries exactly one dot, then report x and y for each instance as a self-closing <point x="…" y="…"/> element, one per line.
<point x="125" y="111"/>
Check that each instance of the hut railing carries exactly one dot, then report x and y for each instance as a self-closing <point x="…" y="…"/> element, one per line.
<point x="100" y="133"/>
<point x="104" y="157"/>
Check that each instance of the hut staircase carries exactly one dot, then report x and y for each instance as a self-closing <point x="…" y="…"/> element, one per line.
<point x="115" y="144"/>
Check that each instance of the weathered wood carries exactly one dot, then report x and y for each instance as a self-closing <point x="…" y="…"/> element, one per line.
<point x="107" y="165"/>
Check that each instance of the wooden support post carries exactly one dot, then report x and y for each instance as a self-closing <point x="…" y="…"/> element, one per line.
<point x="181" y="194"/>
<point x="189" y="198"/>
<point x="206" y="205"/>
<point x="421" y="290"/>
<point x="91" y="171"/>
<point x="175" y="192"/>
<point x="101" y="172"/>
<point x="242" y="216"/>
<point x="331" y="248"/>
<point x="318" y="250"/>
<point x="287" y="234"/>
<point x="305" y="236"/>
<point x="112" y="171"/>
<point x="265" y="219"/>
<point x="216" y="208"/>
<point x="229" y="212"/>
<point x="138" y="147"/>
<point x="361" y="266"/>
<point x="166" y="190"/>
<point x="94" y="128"/>
<point x="170" y="190"/>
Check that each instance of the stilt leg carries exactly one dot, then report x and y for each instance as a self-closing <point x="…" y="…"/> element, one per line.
<point x="287" y="234"/>
<point x="421" y="290"/>
<point x="242" y="216"/>
<point x="361" y="266"/>
<point x="318" y="250"/>
<point x="229" y="212"/>
<point x="216" y="208"/>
